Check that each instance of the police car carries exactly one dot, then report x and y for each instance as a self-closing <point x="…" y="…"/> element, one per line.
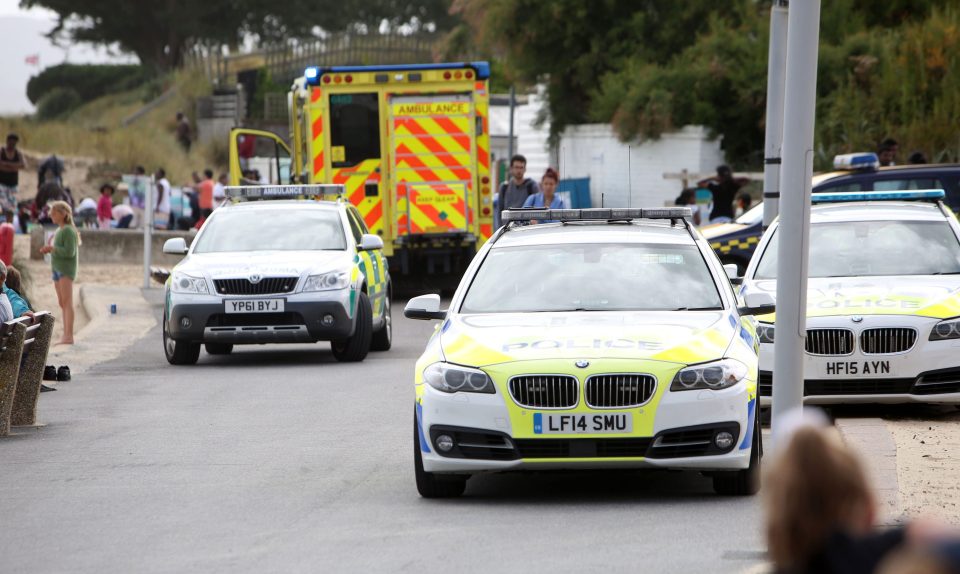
<point x="883" y="302"/>
<point x="609" y="338"/>
<point x="278" y="265"/>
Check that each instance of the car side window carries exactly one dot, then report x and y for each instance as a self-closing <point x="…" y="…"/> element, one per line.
<point x="840" y="188"/>
<point x="907" y="183"/>
<point x="360" y="222"/>
<point x="354" y="226"/>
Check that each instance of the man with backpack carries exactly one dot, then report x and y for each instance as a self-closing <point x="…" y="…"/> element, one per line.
<point x="515" y="191"/>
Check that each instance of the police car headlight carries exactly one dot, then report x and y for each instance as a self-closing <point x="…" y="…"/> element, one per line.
<point x="183" y="283"/>
<point x="327" y="281"/>
<point x="454" y="378"/>
<point x="717" y="375"/>
<point x="765" y="332"/>
<point x="949" y="329"/>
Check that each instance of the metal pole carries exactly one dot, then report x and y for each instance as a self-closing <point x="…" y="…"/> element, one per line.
<point x="147" y="232"/>
<point x="794" y="228"/>
<point x="513" y="105"/>
<point x="776" y="63"/>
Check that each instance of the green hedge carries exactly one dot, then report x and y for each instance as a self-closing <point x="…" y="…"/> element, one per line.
<point x="88" y="81"/>
<point x="58" y="102"/>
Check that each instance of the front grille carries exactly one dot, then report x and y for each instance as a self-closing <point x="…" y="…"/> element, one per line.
<point x="254" y="319"/>
<point x="887" y="340"/>
<point x="829" y="342"/>
<point x="582" y="447"/>
<point x="765" y="384"/>
<point x="935" y="382"/>
<point x="857" y="387"/>
<point x="266" y="286"/>
<point x="606" y="391"/>
<point x="544" y="391"/>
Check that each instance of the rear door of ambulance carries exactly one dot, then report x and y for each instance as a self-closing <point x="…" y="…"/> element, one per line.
<point x="433" y="163"/>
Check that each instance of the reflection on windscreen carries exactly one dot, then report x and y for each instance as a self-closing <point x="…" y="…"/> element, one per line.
<point x="272" y="230"/>
<point x="864" y="248"/>
<point x="594" y="277"/>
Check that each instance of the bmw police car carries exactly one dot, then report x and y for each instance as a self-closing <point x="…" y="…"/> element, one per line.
<point x="883" y="302"/>
<point x="289" y="270"/>
<point x="608" y="338"/>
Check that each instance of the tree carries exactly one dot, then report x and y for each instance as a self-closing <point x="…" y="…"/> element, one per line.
<point x="160" y="32"/>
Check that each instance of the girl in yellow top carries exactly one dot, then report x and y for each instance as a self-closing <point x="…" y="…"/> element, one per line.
<point x="64" y="253"/>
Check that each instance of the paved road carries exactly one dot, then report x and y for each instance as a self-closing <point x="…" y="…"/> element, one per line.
<point x="280" y="459"/>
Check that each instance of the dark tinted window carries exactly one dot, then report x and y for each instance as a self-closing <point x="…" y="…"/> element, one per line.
<point x="907" y="183"/>
<point x="354" y="128"/>
<point x="840" y="187"/>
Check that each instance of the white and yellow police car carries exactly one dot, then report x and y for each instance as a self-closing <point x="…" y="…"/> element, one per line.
<point x="294" y="269"/>
<point x="883" y="299"/>
<point x="606" y="338"/>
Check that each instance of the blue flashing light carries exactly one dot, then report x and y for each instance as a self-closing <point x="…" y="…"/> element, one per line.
<point x="913" y="195"/>
<point x="855" y="161"/>
<point x="311" y="73"/>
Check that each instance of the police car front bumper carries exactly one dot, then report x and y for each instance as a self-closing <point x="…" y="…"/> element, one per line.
<point x="472" y="417"/>
<point x="306" y="318"/>
<point x="927" y="373"/>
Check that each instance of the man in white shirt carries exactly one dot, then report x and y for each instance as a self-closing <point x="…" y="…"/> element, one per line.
<point x="161" y="212"/>
<point x="219" y="195"/>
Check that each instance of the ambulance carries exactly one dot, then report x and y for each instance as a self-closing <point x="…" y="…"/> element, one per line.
<point x="410" y="145"/>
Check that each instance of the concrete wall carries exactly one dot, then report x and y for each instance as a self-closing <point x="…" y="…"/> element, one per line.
<point x="117" y="246"/>
<point x="594" y="151"/>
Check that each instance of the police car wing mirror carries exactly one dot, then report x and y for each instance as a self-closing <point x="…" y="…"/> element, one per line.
<point x="370" y="242"/>
<point x="732" y="272"/>
<point x="760" y="303"/>
<point x="424" y="307"/>
<point x="175" y="246"/>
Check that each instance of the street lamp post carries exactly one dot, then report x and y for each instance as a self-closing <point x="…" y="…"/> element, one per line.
<point x="794" y="226"/>
<point x="776" y="63"/>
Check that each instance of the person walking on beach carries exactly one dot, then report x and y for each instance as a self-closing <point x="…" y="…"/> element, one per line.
<point x="64" y="254"/>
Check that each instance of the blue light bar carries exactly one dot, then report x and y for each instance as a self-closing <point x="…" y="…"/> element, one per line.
<point x="482" y="69"/>
<point x="853" y="161"/>
<point x="259" y="192"/>
<point x="596" y="214"/>
<point x="933" y="195"/>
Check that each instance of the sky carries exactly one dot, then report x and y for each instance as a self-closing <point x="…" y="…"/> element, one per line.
<point x="23" y="35"/>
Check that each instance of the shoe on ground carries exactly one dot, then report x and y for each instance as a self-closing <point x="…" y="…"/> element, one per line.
<point x="49" y="373"/>
<point x="63" y="373"/>
<point x="45" y="389"/>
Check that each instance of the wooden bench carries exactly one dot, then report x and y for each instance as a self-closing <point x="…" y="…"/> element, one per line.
<point x="25" y="343"/>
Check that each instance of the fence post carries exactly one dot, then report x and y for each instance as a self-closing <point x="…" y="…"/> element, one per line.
<point x="31" y="375"/>
<point x="9" y="371"/>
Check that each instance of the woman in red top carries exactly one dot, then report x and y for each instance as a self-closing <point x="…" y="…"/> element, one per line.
<point x="105" y="206"/>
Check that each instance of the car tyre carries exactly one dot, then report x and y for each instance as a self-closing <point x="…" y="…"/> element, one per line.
<point x="383" y="339"/>
<point x="744" y="482"/>
<point x="219" y="348"/>
<point x="355" y="347"/>
<point x="179" y="352"/>
<point x="431" y="485"/>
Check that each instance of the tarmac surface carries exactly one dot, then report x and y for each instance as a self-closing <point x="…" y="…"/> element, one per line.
<point x="281" y="459"/>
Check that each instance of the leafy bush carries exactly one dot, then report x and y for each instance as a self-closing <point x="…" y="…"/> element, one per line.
<point x="89" y="81"/>
<point x="58" y="102"/>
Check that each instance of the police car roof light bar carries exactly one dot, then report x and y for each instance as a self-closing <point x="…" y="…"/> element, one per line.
<point x="854" y="161"/>
<point x="596" y="214"/>
<point x="932" y="195"/>
<point x="255" y="192"/>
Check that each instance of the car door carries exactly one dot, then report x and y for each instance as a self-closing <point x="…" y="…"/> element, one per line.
<point x="372" y="263"/>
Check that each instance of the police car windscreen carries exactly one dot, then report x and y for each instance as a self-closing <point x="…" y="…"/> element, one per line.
<point x="294" y="229"/>
<point x="592" y="277"/>
<point x="865" y="248"/>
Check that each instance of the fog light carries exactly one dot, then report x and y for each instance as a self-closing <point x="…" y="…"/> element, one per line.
<point x="185" y="322"/>
<point x="445" y="442"/>
<point x="723" y="440"/>
<point x="327" y="320"/>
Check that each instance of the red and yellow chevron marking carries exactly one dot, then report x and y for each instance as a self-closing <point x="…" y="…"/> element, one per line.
<point x="316" y="135"/>
<point x="354" y="180"/>
<point x="434" y="172"/>
<point x="485" y="195"/>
